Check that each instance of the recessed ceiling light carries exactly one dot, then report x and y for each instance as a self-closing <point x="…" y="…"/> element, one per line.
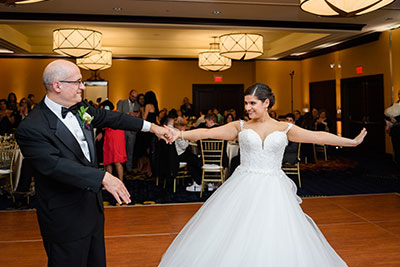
<point x="298" y="54"/>
<point x="28" y="2"/>
<point x="326" y="45"/>
<point x="3" y="50"/>
<point x="216" y="12"/>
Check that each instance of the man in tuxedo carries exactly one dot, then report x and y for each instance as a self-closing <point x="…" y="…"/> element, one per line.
<point x="129" y="106"/>
<point x="59" y="145"/>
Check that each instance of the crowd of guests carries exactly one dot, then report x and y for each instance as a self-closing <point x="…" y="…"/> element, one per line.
<point x="13" y="112"/>
<point x="128" y="152"/>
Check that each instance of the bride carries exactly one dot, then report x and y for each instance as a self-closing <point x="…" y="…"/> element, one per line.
<point x="254" y="219"/>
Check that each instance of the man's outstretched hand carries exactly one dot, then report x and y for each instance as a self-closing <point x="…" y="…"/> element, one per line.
<point x="114" y="185"/>
<point x="165" y="133"/>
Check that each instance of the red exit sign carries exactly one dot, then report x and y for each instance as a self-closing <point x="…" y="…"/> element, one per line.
<point x="359" y="69"/>
<point x="217" y="79"/>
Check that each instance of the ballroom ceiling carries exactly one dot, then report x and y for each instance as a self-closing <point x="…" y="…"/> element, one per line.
<point x="183" y="28"/>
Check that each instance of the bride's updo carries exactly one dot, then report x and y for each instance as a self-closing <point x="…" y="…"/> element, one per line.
<point x="262" y="92"/>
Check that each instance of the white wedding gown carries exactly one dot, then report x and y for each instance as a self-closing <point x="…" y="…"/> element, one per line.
<point x="254" y="219"/>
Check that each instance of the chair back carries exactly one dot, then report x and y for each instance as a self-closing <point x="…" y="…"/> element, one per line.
<point x="212" y="151"/>
<point x="7" y="154"/>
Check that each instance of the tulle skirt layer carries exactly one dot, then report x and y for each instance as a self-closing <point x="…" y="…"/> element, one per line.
<point x="253" y="219"/>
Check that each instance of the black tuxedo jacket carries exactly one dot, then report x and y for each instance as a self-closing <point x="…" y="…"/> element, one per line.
<point x="68" y="186"/>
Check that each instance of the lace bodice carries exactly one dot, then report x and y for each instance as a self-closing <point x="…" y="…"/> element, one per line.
<point x="263" y="155"/>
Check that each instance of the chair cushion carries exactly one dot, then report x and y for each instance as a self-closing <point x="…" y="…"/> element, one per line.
<point x="182" y="165"/>
<point x="211" y="167"/>
<point x="2" y="171"/>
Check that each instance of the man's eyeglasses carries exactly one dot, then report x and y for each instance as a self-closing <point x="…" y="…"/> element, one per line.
<point x="79" y="82"/>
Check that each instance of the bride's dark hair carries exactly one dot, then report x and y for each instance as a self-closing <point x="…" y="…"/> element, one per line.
<point x="262" y="92"/>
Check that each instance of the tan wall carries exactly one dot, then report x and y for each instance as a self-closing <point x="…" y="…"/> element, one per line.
<point x="276" y="75"/>
<point x="171" y="80"/>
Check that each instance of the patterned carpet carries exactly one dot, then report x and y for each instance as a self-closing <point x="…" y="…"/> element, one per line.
<point x="342" y="174"/>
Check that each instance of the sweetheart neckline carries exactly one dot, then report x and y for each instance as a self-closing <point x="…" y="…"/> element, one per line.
<point x="259" y="137"/>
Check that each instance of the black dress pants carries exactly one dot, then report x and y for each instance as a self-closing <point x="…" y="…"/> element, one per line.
<point x="85" y="252"/>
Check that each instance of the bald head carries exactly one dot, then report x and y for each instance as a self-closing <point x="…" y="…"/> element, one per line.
<point x="63" y="82"/>
<point x="57" y="70"/>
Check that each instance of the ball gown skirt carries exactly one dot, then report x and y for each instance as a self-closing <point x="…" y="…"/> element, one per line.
<point x="253" y="219"/>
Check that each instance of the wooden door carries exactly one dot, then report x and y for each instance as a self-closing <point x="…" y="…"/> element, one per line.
<point x="323" y="96"/>
<point x="363" y="106"/>
<point x="221" y="96"/>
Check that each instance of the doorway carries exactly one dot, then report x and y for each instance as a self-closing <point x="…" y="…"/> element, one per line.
<point x="323" y="96"/>
<point x="362" y="106"/>
<point x="221" y="96"/>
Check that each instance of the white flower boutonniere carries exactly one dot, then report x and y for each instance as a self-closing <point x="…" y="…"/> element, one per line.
<point x="85" y="117"/>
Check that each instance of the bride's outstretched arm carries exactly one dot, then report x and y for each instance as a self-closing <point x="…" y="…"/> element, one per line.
<point x="300" y="135"/>
<point x="226" y="132"/>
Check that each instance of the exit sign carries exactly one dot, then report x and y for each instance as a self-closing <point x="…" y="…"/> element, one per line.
<point x="359" y="69"/>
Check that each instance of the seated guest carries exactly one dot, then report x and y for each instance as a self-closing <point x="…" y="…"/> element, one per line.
<point x="322" y="123"/>
<point x="211" y="120"/>
<point x="219" y="116"/>
<point x="23" y="111"/>
<point x="307" y="149"/>
<point x="273" y="115"/>
<point x="12" y="103"/>
<point x="200" y="119"/>
<point x="228" y="118"/>
<point x="185" y="155"/>
<point x="298" y="117"/>
<point x="162" y="114"/>
<point x="233" y="112"/>
<point x="31" y="100"/>
<point x="291" y="150"/>
<point x="315" y="113"/>
<point x="7" y="118"/>
<point x="186" y="108"/>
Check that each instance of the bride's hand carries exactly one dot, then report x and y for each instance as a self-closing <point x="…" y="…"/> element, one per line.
<point x="175" y="134"/>
<point x="359" y="138"/>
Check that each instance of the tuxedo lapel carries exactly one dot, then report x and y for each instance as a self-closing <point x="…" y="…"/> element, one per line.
<point x="69" y="141"/>
<point x="90" y="140"/>
<point x="62" y="133"/>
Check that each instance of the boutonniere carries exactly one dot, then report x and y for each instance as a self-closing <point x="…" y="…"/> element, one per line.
<point x="86" y="119"/>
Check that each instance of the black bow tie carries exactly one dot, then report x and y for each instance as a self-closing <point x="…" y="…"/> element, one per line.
<point x="64" y="110"/>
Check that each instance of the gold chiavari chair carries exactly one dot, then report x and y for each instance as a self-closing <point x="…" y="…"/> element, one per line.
<point x="293" y="168"/>
<point x="7" y="155"/>
<point x="212" y="169"/>
<point x="320" y="149"/>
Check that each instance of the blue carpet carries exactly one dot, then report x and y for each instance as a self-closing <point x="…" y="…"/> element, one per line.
<point x="342" y="174"/>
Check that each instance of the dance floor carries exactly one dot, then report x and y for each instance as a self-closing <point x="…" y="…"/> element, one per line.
<point x="364" y="230"/>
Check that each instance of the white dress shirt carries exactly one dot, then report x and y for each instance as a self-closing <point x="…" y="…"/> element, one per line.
<point x="72" y="123"/>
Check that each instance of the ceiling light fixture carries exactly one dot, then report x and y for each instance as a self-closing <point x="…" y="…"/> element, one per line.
<point x="3" y="50"/>
<point x="298" y="54"/>
<point x="342" y="8"/>
<point x="100" y="61"/>
<point x="76" y="42"/>
<point x="241" y="45"/>
<point x="20" y="2"/>
<point x="212" y="60"/>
